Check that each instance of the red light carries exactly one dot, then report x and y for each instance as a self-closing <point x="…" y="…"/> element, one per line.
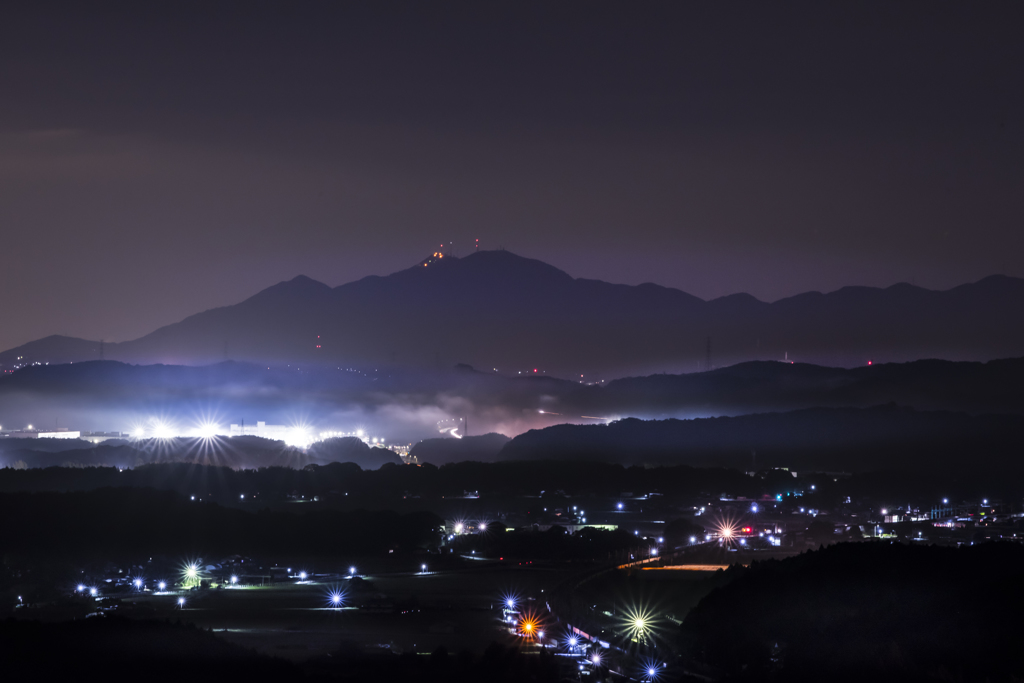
<point x="535" y="369"/>
<point x="747" y="530"/>
<point x="869" y="362"/>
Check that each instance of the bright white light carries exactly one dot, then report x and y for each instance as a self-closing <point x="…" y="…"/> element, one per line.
<point x="80" y="588"/>
<point x="162" y="431"/>
<point x="572" y="642"/>
<point x="693" y="539"/>
<point x="753" y="508"/>
<point x="234" y="579"/>
<point x="482" y="526"/>
<point x="140" y="432"/>
<point x="945" y="501"/>
<point x="619" y="506"/>
<point x="351" y="570"/>
<point x="138" y="583"/>
<point x="302" y="576"/>
<point x="92" y="591"/>
<point x="458" y="528"/>
<point x="162" y="585"/>
<point x="181" y="602"/>
<point x="423" y="567"/>
<point x="207" y="430"/>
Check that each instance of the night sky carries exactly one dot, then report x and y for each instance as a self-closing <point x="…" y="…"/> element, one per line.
<point x="154" y="164"/>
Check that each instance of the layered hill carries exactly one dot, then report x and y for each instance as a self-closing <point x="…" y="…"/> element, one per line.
<point x="818" y="439"/>
<point x="409" y="405"/>
<point x="496" y="310"/>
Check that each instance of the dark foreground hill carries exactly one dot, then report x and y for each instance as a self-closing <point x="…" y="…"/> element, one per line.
<point x="498" y="310"/>
<point x="124" y="649"/>
<point x="822" y="439"/>
<point x="867" y="612"/>
<point x="483" y="448"/>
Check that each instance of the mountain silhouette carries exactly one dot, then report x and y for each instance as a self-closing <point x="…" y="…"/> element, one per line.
<point x="497" y="310"/>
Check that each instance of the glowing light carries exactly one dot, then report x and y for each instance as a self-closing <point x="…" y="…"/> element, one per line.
<point x="80" y="588"/>
<point x="458" y="528"/>
<point x="92" y="592"/>
<point x="753" y="508"/>
<point x="190" y="575"/>
<point x="352" y="571"/>
<point x="162" y="585"/>
<point x="208" y="430"/>
<point x="234" y="579"/>
<point x="530" y="626"/>
<point x="137" y="583"/>
<point x="162" y="430"/>
<point x="336" y="598"/>
<point x="595" y="659"/>
<point x="638" y="623"/>
<point x="619" y="506"/>
<point x="482" y="526"/>
<point x="181" y="602"/>
<point x="302" y="576"/>
<point x="423" y="568"/>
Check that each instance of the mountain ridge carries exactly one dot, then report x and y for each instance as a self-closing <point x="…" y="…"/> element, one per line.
<point x="497" y="309"/>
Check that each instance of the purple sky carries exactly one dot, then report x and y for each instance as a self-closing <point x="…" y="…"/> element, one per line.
<point x="153" y="165"/>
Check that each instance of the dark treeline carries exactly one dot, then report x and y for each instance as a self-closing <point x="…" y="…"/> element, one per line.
<point x="824" y="439"/>
<point x="867" y="612"/>
<point x="338" y="479"/>
<point x="555" y="543"/>
<point x="391" y="482"/>
<point x="236" y="452"/>
<point x="133" y="522"/>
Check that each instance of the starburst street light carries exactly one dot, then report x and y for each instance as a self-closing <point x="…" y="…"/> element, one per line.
<point x="336" y="598"/>
<point x="652" y="670"/>
<point x="638" y="623"/>
<point x="190" y="575"/>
